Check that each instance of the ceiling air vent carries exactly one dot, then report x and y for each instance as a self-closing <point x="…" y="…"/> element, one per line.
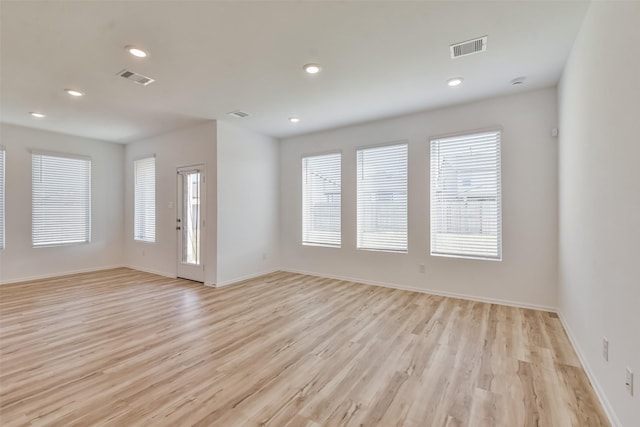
<point x="238" y="114"/>
<point x="136" y="78"/>
<point x="469" y="47"/>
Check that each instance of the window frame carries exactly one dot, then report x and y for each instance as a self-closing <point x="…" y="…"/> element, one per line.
<point x="143" y="238"/>
<point x="88" y="198"/>
<point x="471" y="133"/>
<point x="358" y="149"/>
<point x="302" y="193"/>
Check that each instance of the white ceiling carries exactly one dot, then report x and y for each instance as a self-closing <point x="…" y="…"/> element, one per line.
<point x="379" y="59"/>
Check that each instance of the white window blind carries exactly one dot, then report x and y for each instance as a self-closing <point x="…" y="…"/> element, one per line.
<point x="465" y="196"/>
<point x="382" y="198"/>
<point x="145" y="200"/>
<point x="61" y="199"/>
<point x="2" y="155"/>
<point x="321" y="200"/>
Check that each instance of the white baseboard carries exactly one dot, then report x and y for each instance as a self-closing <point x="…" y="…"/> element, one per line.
<point x="133" y="267"/>
<point x="428" y="291"/>
<point x="60" y="274"/>
<point x="604" y="401"/>
<point x="241" y="279"/>
<point x="310" y="273"/>
<point x="152" y="271"/>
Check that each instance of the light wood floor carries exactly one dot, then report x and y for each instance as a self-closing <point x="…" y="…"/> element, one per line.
<point x="125" y="348"/>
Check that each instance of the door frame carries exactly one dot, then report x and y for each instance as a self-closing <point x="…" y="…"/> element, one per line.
<point x="198" y="272"/>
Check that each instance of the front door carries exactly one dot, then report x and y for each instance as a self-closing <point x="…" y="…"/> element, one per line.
<point x="190" y="222"/>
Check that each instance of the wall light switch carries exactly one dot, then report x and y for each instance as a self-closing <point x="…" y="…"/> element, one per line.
<point x="629" y="381"/>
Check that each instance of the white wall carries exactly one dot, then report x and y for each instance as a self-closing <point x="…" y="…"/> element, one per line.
<point x="528" y="273"/>
<point x="599" y="285"/>
<point x="247" y="204"/>
<point x="20" y="261"/>
<point x="191" y="146"/>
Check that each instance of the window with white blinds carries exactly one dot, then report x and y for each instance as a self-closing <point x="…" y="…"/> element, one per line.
<point x="145" y="200"/>
<point x="465" y="196"/>
<point x="321" y="200"/>
<point x="382" y="198"/>
<point x="2" y="155"/>
<point x="61" y="199"/>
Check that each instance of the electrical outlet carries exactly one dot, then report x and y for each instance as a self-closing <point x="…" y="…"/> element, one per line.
<point x="421" y="268"/>
<point x="629" y="381"/>
<point x="264" y="256"/>
<point x="605" y="348"/>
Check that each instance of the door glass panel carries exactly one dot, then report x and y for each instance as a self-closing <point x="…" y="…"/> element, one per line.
<point x="191" y="218"/>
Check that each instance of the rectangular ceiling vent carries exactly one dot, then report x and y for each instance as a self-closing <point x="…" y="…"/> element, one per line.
<point x="136" y="78"/>
<point x="238" y="114"/>
<point x="469" y="47"/>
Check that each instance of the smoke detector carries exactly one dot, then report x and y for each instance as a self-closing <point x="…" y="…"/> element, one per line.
<point x="135" y="77"/>
<point x="468" y="47"/>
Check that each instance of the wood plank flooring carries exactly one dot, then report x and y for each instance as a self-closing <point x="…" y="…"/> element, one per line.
<point x="125" y="348"/>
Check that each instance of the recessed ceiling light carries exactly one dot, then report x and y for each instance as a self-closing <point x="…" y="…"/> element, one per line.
<point x="37" y="115"/>
<point x="73" y="92"/>
<point x="136" y="51"/>
<point x="455" y="81"/>
<point x="311" y="68"/>
<point x="294" y="119"/>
